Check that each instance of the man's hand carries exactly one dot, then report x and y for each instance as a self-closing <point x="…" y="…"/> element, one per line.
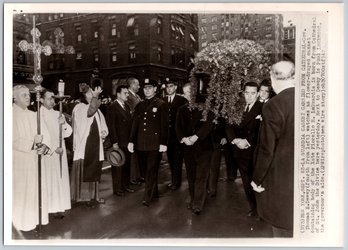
<point x="103" y="134"/>
<point x="115" y="146"/>
<point x="236" y="141"/>
<point x="223" y="141"/>
<point x="162" y="148"/>
<point x="130" y="147"/>
<point x="243" y="144"/>
<point x="256" y="188"/>
<point x="96" y="92"/>
<point x="38" y="139"/>
<point x="193" y="139"/>
<point x="61" y="119"/>
<point x="186" y="141"/>
<point x="59" y="151"/>
<point x="42" y="149"/>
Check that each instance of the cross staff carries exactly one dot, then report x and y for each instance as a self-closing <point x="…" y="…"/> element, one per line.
<point x="61" y="97"/>
<point x="37" y="49"/>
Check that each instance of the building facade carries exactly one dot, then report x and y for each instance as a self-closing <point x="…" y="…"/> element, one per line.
<point x="117" y="46"/>
<point x="266" y="29"/>
<point x="289" y="42"/>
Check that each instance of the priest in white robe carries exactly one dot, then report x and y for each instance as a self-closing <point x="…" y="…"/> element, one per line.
<point x="57" y="176"/>
<point x="26" y="147"/>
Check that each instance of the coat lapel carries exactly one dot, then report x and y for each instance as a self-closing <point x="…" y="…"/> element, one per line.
<point x="251" y="114"/>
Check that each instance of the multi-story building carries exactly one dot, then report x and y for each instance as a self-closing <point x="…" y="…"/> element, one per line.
<point x="118" y="46"/>
<point x="289" y="42"/>
<point x="266" y="29"/>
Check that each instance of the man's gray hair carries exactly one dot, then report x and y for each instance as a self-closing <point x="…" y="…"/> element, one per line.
<point x="17" y="88"/>
<point x="283" y="70"/>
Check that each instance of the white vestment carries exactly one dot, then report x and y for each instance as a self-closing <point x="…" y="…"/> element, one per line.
<point x="25" y="171"/>
<point x="58" y="188"/>
<point x="82" y="126"/>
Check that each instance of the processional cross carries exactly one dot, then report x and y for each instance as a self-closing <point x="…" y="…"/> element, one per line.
<point x="36" y="48"/>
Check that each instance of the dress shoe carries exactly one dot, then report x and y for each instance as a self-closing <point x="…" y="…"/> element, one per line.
<point x="133" y="182"/>
<point x="196" y="211"/>
<point x="145" y="204"/>
<point x="129" y="190"/>
<point x="58" y="215"/>
<point x="170" y="185"/>
<point x="252" y="213"/>
<point x="119" y="193"/>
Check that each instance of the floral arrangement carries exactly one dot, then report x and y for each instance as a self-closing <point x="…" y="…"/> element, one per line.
<point x="229" y="65"/>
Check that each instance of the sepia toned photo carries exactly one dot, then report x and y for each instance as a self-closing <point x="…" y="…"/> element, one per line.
<point x="134" y="125"/>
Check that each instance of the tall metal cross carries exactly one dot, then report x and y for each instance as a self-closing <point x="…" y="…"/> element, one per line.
<point x="58" y="46"/>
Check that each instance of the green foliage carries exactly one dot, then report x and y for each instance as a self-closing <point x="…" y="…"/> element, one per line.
<point x="229" y="64"/>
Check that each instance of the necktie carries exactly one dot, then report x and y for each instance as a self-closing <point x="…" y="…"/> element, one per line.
<point x="247" y="109"/>
<point x="170" y="99"/>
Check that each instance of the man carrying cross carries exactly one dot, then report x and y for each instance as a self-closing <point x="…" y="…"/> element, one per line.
<point x="58" y="186"/>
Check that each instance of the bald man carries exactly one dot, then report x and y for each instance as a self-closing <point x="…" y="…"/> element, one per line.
<point x="273" y="177"/>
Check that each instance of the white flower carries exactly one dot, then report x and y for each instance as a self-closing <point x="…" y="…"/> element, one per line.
<point x="154" y="109"/>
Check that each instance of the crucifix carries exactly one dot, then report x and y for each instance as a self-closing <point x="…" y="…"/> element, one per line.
<point x="36" y="48"/>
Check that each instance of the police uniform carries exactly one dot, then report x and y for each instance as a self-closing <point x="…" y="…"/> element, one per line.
<point x="149" y="131"/>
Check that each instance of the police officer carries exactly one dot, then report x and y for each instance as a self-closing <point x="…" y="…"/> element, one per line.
<point x="149" y="135"/>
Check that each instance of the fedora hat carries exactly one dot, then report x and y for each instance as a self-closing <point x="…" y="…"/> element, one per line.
<point x="116" y="157"/>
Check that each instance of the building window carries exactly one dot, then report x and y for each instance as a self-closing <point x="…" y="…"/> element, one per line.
<point x="61" y="15"/>
<point x="204" y="44"/>
<point x="79" y="38"/>
<point x="204" y="20"/>
<point x="214" y="27"/>
<point x="204" y="29"/>
<point x="177" y="31"/>
<point x="214" y="19"/>
<point x="78" y="55"/>
<point x="268" y="35"/>
<point x="96" y="55"/>
<point x="172" y="54"/>
<point x="50" y="65"/>
<point x="159" y="53"/>
<point x="204" y="36"/>
<point x="136" y="30"/>
<point x="113" y="30"/>
<point x="49" y="18"/>
<point x="55" y="16"/>
<point x="268" y="18"/>
<point x="159" y="26"/>
<point x="227" y="24"/>
<point x="95" y="34"/>
<point x="113" y="55"/>
<point x="132" y="53"/>
<point x="268" y="28"/>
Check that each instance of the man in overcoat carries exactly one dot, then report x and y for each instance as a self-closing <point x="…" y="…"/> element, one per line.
<point x="149" y="137"/>
<point x="243" y="137"/>
<point x="273" y="178"/>
<point x="174" y="152"/>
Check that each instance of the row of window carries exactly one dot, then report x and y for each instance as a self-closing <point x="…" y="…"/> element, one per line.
<point x="214" y="19"/>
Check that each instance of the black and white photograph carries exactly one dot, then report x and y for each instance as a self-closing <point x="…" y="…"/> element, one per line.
<point x="181" y="124"/>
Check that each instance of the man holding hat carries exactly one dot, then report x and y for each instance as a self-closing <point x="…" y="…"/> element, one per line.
<point x="149" y="135"/>
<point x="119" y="122"/>
<point x="174" y="153"/>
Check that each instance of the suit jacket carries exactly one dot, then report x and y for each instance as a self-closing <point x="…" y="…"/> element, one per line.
<point x="132" y="101"/>
<point x="248" y="129"/>
<point x="150" y="125"/>
<point x="119" y="123"/>
<point x="274" y="168"/>
<point x="177" y="102"/>
<point x="189" y="122"/>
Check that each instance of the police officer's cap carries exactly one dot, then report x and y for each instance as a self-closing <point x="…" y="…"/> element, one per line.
<point x="151" y="82"/>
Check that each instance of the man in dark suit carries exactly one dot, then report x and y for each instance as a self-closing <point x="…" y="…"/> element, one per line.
<point x="273" y="178"/>
<point x="119" y="123"/>
<point x="149" y="137"/>
<point x="174" y="153"/>
<point x="244" y="139"/>
<point x="195" y="136"/>
<point x="132" y="101"/>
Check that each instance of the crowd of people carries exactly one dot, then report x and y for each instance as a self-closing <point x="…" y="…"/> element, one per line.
<point x="142" y="130"/>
